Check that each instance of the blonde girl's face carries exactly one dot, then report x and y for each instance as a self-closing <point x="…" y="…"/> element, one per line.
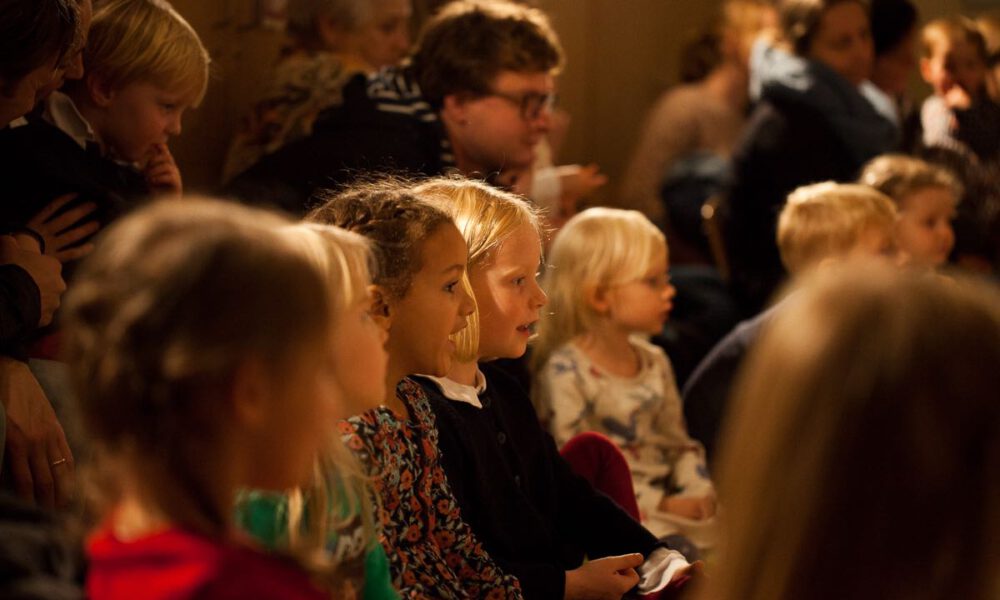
<point x="435" y="307"/>
<point x="643" y="305"/>
<point x="508" y="295"/>
<point x="924" y="228"/>
<point x="304" y="404"/>
<point x="359" y="358"/>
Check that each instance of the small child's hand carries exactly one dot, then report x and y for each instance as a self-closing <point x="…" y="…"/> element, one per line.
<point x="578" y="182"/>
<point x="957" y="97"/>
<point x="162" y="173"/>
<point x="689" y="508"/>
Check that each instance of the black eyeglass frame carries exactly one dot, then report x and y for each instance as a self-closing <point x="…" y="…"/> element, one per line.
<point x="530" y="104"/>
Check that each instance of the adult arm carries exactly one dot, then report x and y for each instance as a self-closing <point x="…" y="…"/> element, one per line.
<point x="37" y="453"/>
<point x="30" y="288"/>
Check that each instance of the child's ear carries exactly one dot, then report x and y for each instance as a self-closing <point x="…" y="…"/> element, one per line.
<point x="381" y="310"/>
<point x="455" y="108"/>
<point x="925" y="70"/>
<point x="597" y="298"/>
<point x="100" y="91"/>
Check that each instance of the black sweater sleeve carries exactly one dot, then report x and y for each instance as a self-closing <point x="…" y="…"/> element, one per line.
<point x="20" y="307"/>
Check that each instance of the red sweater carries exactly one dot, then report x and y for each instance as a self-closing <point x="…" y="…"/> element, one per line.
<point x="178" y="565"/>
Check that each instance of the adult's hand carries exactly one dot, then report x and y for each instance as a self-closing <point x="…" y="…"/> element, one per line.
<point x="37" y="453"/>
<point x="60" y="232"/>
<point x="44" y="270"/>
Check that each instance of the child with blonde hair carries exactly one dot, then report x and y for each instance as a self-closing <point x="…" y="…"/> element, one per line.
<point x="200" y="342"/>
<point x="420" y="299"/>
<point x="865" y="425"/>
<point x="820" y="224"/>
<point x="534" y="515"/>
<point x="926" y="197"/>
<point x="609" y="285"/>
<point x="105" y="137"/>
<point x="329" y="524"/>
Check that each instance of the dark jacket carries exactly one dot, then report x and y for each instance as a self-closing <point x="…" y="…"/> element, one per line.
<point x="706" y="394"/>
<point x="536" y="518"/>
<point x="383" y="126"/>
<point x="39" y="162"/>
<point x="810" y="125"/>
<point x="20" y="308"/>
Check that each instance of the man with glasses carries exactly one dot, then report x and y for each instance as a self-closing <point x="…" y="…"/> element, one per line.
<point x="475" y="98"/>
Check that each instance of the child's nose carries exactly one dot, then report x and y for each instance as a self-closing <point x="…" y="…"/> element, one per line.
<point x="539" y="298"/>
<point x="174" y="126"/>
<point x="468" y="305"/>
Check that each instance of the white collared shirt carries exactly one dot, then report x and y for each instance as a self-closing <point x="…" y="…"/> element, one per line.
<point x="63" y="113"/>
<point x="459" y="392"/>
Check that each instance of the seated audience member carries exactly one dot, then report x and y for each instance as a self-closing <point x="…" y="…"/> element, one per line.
<point x="536" y="517"/>
<point x="811" y="124"/>
<point x="330" y="522"/>
<point x="105" y="138"/>
<point x="977" y="224"/>
<point x="869" y="404"/>
<point x="926" y="198"/>
<point x="235" y="392"/>
<point x="36" y="39"/>
<point x="475" y="96"/>
<point x="608" y="284"/>
<point x="820" y="223"/>
<point x="420" y="301"/>
<point x="959" y="114"/>
<point x="700" y="118"/>
<point x="330" y="41"/>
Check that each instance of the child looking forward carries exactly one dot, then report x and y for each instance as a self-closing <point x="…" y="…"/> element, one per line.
<point x="926" y="197"/>
<point x="419" y="299"/>
<point x="235" y="392"/>
<point x="535" y="516"/>
<point x="609" y="285"/>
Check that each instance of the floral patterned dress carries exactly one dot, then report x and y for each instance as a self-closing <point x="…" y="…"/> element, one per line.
<point x="432" y="551"/>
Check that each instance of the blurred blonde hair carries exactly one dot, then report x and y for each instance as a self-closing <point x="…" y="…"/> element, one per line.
<point x="146" y="41"/>
<point x="340" y="496"/>
<point x="899" y="175"/>
<point x="861" y="454"/>
<point x="600" y="247"/>
<point x="825" y="220"/>
<point x="486" y="217"/>
<point x="176" y="297"/>
<point x="951" y="30"/>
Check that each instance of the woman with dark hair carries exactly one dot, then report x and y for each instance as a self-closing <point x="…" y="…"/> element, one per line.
<point x="811" y="124"/>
